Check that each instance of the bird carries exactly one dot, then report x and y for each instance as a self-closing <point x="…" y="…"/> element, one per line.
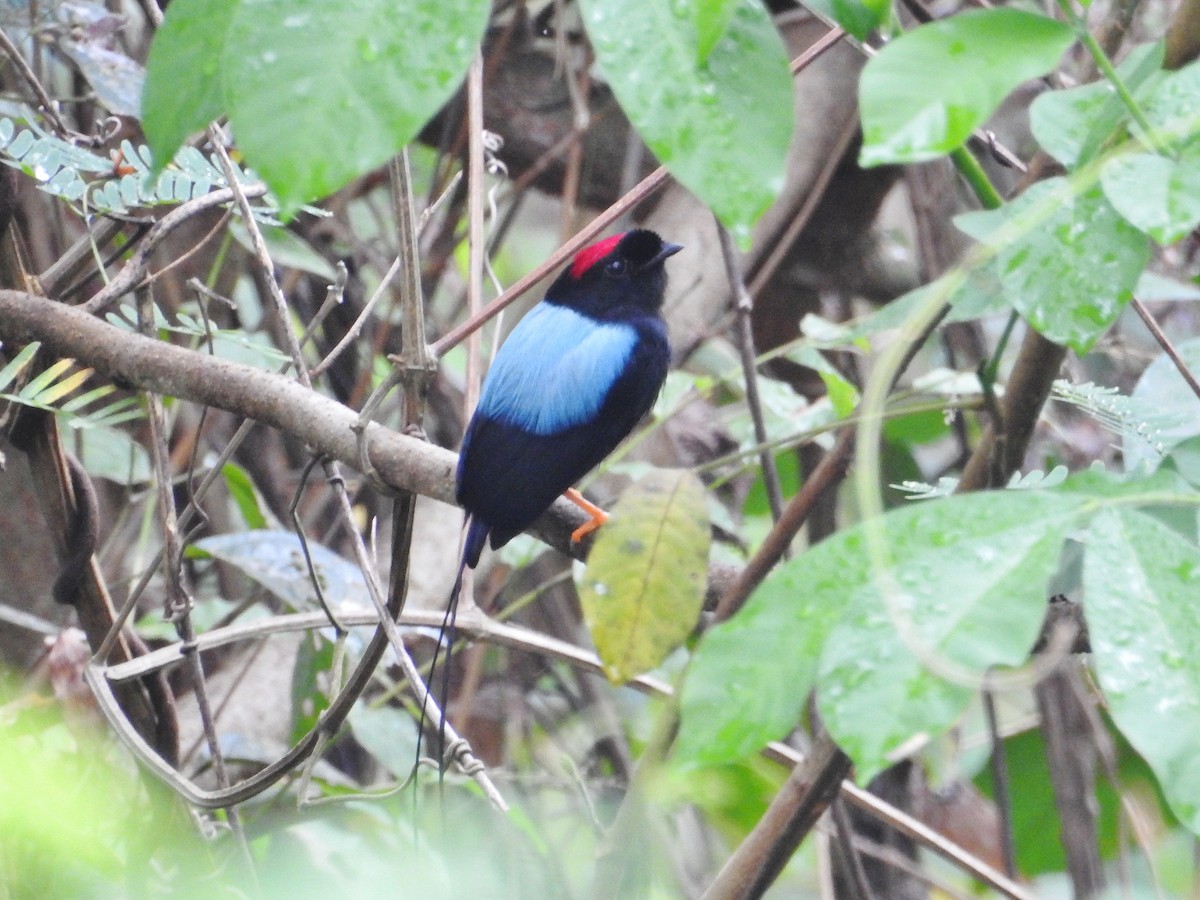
<point x="571" y="381"/>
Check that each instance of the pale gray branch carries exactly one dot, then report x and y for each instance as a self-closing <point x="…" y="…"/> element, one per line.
<point x="325" y="425"/>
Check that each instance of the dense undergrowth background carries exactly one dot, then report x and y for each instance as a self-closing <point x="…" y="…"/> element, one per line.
<point x="897" y="599"/>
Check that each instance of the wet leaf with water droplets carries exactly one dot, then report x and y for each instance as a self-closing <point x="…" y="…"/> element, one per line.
<point x="317" y="93"/>
<point x="721" y="122"/>
<point x="857" y="17"/>
<point x="1144" y="626"/>
<point x="183" y="89"/>
<point x="1073" y="124"/>
<point x="973" y="598"/>
<point x="750" y="677"/>
<point x="976" y="597"/>
<point x="1066" y="261"/>
<point x="643" y="588"/>
<point x="912" y="111"/>
<point x="1159" y="196"/>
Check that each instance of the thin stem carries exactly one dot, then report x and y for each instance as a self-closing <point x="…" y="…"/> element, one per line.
<point x="1104" y="64"/>
<point x="999" y="770"/>
<point x="831" y="470"/>
<point x="1167" y="346"/>
<point x="178" y="606"/>
<point x="263" y="255"/>
<point x="970" y="169"/>
<point x="853" y="868"/>
<point x="134" y="271"/>
<point x="745" y="309"/>
<point x="48" y="106"/>
<point x="825" y="42"/>
<point x="476" y="246"/>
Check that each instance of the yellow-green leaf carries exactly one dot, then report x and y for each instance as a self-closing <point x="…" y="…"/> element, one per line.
<point x="644" y="586"/>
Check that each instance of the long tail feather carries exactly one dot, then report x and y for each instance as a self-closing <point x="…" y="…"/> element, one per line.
<point x="477" y="533"/>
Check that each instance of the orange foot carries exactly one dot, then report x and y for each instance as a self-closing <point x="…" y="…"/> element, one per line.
<point x="598" y="516"/>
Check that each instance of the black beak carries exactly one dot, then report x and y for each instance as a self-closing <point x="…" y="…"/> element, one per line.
<point x="668" y="249"/>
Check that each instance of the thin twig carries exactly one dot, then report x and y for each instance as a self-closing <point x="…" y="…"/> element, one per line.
<point x="77" y="256"/>
<point x="476" y="247"/>
<point x="477" y="250"/>
<point x="999" y="770"/>
<point x="48" y="106"/>
<point x="578" y="85"/>
<point x="135" y="270"/>
<point x="831" y="469"/>
<point x="761" y="273"/>
<point x="178" y="604"/>
<point x="744" y="307"/>
<point x="263" y="255"/>
<point x="844" y="834"/>
<point x="1167" y="346"/>
<point x="354" y="331"/>
<point x="823" y="43"/>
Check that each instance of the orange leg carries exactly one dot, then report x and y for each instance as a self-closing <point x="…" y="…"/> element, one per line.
<point x="598" y="516"/>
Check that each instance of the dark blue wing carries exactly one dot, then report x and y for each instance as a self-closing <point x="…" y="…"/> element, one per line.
<point x="508" y="475"/>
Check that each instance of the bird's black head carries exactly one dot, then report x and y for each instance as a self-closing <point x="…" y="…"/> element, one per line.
<point x="617" y="277"/>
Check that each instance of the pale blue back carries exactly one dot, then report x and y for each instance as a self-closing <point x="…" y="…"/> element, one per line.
<point x="555" y="369"/>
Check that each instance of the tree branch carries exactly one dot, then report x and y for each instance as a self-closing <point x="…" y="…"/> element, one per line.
<point x="325" y="425"/>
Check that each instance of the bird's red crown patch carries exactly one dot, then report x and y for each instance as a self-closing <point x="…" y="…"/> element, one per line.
<point x="589" y="256"/>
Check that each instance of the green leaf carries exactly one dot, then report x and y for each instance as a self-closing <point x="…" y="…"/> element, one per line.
<point x="275" y="560"/>
<point x="722" y="127"/>
<point x="314" y="658"/>
<point x="712" y="19"/>
<point x="1066" y="261"/>
<point x="969" y="576"/>
<point x="387" y="733"/>
<point x="750" y="677"/>
<point x="1157" y="195"/>
<point x="646" y="575"/>
<point x="113" y="454"/>
<point x="858" y="17"/>
<point x="1175" y="407"/>
<point x="1072" y="125"/>
<point x="316" y="93"/>
<point x="245" y="498"/>
<point x="286" y="248"/>
<point x="1140" y="581"/>
<point x="184" y="88"/>
<point x="927" y="90"/>
<point x="18" y="364"/>
<point x="1173" y="109"/>
<point x="322" y="92"/>
<point x="1160" y="194"/>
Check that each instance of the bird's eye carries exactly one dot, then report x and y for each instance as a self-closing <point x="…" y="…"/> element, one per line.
<point x="615" y="267"/>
